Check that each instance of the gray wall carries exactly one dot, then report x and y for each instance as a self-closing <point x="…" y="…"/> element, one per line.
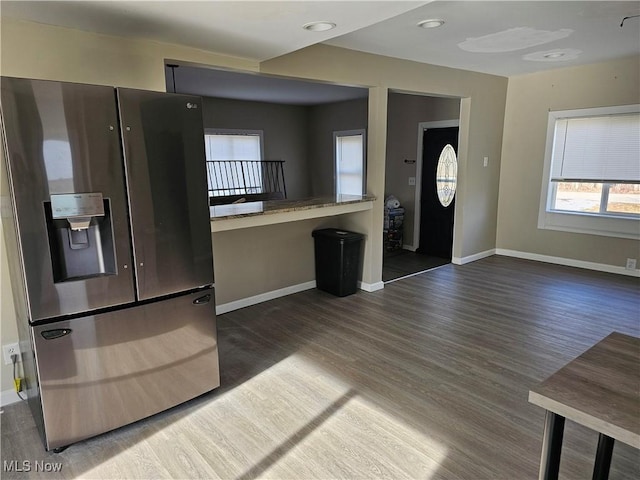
<point x="285" y="134"/>
<point x="323" y="121"/>
<point x="405" y="112"/>
<point x="301" y="136"/>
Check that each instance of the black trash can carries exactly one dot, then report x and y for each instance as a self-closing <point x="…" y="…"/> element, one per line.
<point x="337" y="254"/>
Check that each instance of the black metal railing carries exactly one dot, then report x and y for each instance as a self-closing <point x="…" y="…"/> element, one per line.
<point x="252" y="180"/>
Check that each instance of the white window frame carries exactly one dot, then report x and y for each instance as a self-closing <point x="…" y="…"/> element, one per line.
<point x="233" y="131"/>
<point x="350" y="133"/>
<point x="608" y="225"/>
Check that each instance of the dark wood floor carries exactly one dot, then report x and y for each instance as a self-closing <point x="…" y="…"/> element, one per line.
<point x="403" y="263"/>
<point x="427" y="378"/>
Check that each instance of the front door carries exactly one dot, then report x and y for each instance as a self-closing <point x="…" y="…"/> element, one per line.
<point x="436" y="219"/>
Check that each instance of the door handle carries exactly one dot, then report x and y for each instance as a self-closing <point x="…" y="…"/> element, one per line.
<point x="57" y="333"/>
<point x="202" y="300"/>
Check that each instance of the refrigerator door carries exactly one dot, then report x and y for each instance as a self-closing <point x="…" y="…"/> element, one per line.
<point x="167" y="187"/>
<point x="100" y="372"/>
<point x="63" y="159"/>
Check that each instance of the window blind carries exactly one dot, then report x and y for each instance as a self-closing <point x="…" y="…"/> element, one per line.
<point x="226" y="154"/>
<point x="349" y="156"/>
<point x="597" y="149"/>
<point x="232" y="147"/>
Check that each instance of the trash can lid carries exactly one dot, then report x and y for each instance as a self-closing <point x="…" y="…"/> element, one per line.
<point x="338" y="234"/>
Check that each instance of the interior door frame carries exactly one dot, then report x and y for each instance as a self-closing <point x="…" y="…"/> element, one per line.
<point x="422" y="127"/>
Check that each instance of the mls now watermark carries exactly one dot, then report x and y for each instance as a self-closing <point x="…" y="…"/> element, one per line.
<point x="29" y="466"/>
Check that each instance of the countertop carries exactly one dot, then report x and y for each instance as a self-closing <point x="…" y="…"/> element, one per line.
<point x="252" y="214"/>
<point x="239" y="210"/>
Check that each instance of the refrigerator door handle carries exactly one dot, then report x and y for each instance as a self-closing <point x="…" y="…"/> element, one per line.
<point x="56" y="333"/>
<point x="203" y="300"/>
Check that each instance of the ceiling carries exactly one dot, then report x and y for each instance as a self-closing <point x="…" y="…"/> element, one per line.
<point x="256" y="30"/>
<point x="503" y="38"/>
<point x="210" y="82"/>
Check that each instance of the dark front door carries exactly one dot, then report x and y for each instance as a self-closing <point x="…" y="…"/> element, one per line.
<point x="436" y="220"/>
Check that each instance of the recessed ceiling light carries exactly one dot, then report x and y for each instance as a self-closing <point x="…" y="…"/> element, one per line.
<point x="319" y="26"/>
<point x="554" y="55"/>
<point x="563" y="55"/>
<point x="431" y="23"/>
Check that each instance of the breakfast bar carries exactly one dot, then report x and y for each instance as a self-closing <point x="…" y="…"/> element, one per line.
<point x="254" y="214"/>
<point x="265" y="249"/>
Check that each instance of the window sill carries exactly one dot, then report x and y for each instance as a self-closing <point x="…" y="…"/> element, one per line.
<point x="619" y="227"/>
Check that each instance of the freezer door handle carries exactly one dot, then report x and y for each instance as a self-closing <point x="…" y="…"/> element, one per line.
<point x="202" y="300"/>
<point x="56" y="333"/>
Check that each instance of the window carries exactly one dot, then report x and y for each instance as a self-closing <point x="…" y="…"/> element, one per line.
<point x="446" y="175"/>
<point x="233" y="158"/>
<point x="592" y="172"/>
<point x="349" y="162"/>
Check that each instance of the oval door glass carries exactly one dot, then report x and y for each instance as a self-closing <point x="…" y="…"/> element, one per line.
<point x="447" y="175"/>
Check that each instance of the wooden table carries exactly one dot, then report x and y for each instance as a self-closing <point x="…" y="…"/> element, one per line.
<point x="601" y="390"/>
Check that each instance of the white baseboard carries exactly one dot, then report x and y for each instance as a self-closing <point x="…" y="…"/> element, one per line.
<point x="569" y="262"/>
<point x="411" y="248"/>
<point x="7" y="397"/>
<point x="474" y="257"/>
<point x="263" y="297"/>
<point x="370" y="287"/>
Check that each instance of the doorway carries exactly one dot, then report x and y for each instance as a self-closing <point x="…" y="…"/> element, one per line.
<point x="409" y="115"/>
<point x="433" y="222"/>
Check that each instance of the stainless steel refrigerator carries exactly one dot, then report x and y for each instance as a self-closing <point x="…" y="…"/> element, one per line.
<point x="106" y="222"/>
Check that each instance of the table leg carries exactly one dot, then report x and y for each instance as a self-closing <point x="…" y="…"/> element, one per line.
<point x="603" y="457"/>
<point x="551" y="446"/>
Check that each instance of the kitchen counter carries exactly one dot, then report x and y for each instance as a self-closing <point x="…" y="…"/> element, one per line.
<point x="254" y="214"/>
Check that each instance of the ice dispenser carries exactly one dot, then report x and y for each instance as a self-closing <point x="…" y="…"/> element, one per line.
<point x="80" y="236"/>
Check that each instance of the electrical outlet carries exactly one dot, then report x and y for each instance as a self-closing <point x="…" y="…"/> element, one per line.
<point x="8" y="350"/>
<point x="412" y="180"/>
<point x="485" y="161"/>
<point x="631" y="264"/>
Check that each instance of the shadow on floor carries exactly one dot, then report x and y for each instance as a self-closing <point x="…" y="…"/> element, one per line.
<point x="402" y="263"/>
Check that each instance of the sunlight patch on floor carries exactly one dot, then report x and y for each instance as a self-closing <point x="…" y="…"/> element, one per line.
<point x="312" y="424"/>
<point x="360" y="439"/>
<point x="308" y="409"/>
